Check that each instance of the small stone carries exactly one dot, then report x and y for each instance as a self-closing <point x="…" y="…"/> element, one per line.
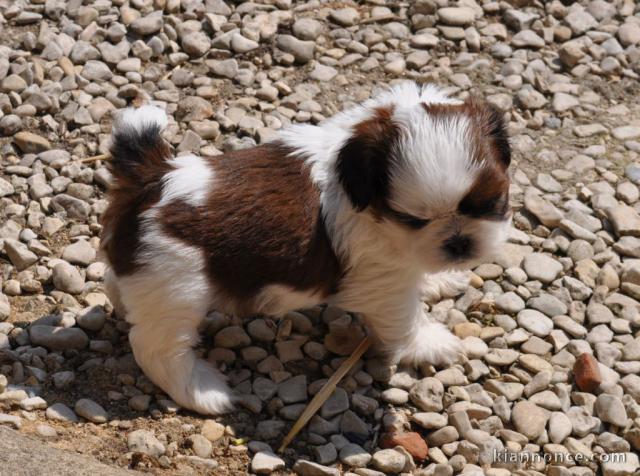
<point x="46" y="431"/>
<point x="388" y="461"/>
<point x="541" y="267"/>
<point x="323" y="73"/>
<point x="586" y="372"/>
<point x="629" y="34"/>
<point x="302" y="51"/>
<point x="196" y="44"/>
<point x="200" y="445"/>
<point x="527" y="39"/>
<point x="308" y="468"/>
<point x="529" y="419"/>
<point x="90" y="410"/>
<point x="535" y="322"/>
<point x="626" y="464"/>
<point x="31" y="143"/>
<point x="80" y="252"/>
<point x="294" y="390"/>
<point x="144" y="441"/>
<point x="307" y="29"/>
<point x="345" y="16"/>
<point x="148" y="25"/>
<point x="354" y="456"/>
<point x="58" y="338"/>
<point x="19" y="254"/>
<point x="232" y="337"/>
<point x="212" y="430"/>
<point x="427" y="394"/>
<point x="66" y="278"/>
<point x="625" y="220"/>
<point x="12" y="420"/>
<point x="455" y="16"/>
<point x="410" y="441"/>
<point x="61" y="412"/>
<point x="92" y="318"/>
<point x="559" y="427"/>
<point x="337" y="403"/>
<point x="610" y="409"/>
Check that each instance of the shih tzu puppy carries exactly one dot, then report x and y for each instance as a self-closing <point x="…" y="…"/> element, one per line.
<point x="357" y="212"/>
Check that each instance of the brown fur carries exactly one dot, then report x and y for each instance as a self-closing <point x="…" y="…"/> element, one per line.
<point x="363" y="162"/>
<point x="135" y="188"/>
<point x="262" y="224"/>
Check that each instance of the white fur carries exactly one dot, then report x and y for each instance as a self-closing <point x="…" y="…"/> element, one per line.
<point x="189" y="181"/>
<point x="277" y="300"/>
<point x="445" y="285"/>
<point x="140" y="118"/>
<point x="166" y="301"/>
<point x="385" y="264"/>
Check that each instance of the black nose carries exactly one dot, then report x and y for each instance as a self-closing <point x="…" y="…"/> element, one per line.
<point x="458" y="246"/>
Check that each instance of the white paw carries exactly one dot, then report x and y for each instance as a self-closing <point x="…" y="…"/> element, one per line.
<point x="433" y="343"/>
<point x="207" y="391"/>
<point x="437" y="287"/>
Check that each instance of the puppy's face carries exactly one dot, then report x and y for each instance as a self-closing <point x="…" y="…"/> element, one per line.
<point x="434" y="179"/>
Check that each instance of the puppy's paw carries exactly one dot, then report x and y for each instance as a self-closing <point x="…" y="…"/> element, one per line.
<point x="207" y="391"/>
<point x="433" y="343"/>
<point x="437" y="287"/>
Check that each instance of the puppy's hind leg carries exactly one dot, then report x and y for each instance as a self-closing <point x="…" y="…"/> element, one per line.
<point x="163" y="348"/>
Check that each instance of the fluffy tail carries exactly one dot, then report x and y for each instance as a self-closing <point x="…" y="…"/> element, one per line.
<point x="138" y="152"/>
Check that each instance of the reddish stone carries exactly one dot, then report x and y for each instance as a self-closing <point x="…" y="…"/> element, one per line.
<point x="410" y="441"/>
<point x="587" y="373"/>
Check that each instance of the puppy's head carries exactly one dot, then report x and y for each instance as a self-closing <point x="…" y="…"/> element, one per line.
<point x="432" y="173"/>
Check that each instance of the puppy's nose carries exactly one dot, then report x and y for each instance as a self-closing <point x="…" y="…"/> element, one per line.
<point x="458" y="246"/>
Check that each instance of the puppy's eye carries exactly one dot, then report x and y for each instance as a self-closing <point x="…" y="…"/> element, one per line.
<point x="416" y="223"/>
<point x="411" y="221"/>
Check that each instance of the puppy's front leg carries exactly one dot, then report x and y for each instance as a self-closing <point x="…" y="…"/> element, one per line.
<point x="411" y="336"/>
<point x="448" y="284"/>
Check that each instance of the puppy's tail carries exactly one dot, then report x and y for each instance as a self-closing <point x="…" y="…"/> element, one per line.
<point x="138" y="152"/>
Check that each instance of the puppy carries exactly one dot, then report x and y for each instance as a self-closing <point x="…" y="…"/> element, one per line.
<point x="356" y="212"/>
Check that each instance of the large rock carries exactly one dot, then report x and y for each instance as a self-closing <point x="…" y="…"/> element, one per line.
<point x="23" y="455"/>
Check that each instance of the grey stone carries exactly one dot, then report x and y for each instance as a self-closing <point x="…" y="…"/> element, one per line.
<point x="90" y="410"/>
<point x="58" y="338"/>
<point x="144" y="441"/>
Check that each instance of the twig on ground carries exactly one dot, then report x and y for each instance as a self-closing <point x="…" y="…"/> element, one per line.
<point x="324" y="393"/>
<point x="95" y="158"/>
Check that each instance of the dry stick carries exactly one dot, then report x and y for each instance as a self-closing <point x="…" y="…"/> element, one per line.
<point x="96" y="157"/>
<point x="325" y="392"/>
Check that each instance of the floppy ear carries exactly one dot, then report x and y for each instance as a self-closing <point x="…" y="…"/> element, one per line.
<point x="490" y="122"/>
<point x="363" y="161"/>
<point x="498" y="131"/>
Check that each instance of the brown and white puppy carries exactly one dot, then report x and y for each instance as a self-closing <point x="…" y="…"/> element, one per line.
<point x="356" y="212"/>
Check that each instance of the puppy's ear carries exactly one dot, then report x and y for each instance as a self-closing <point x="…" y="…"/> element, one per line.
<point x="363" y="161"/>
<point x="492" y="125"/>
<point x="498" y="131"/>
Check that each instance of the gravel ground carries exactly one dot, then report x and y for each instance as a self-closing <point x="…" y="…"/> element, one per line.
<point x="551" y="329"/>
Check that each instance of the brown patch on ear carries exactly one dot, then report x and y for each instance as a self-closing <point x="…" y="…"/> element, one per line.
<point x="363" y="161"/>
<point x="489" y="124"/>
<point x="488" y="197"/>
